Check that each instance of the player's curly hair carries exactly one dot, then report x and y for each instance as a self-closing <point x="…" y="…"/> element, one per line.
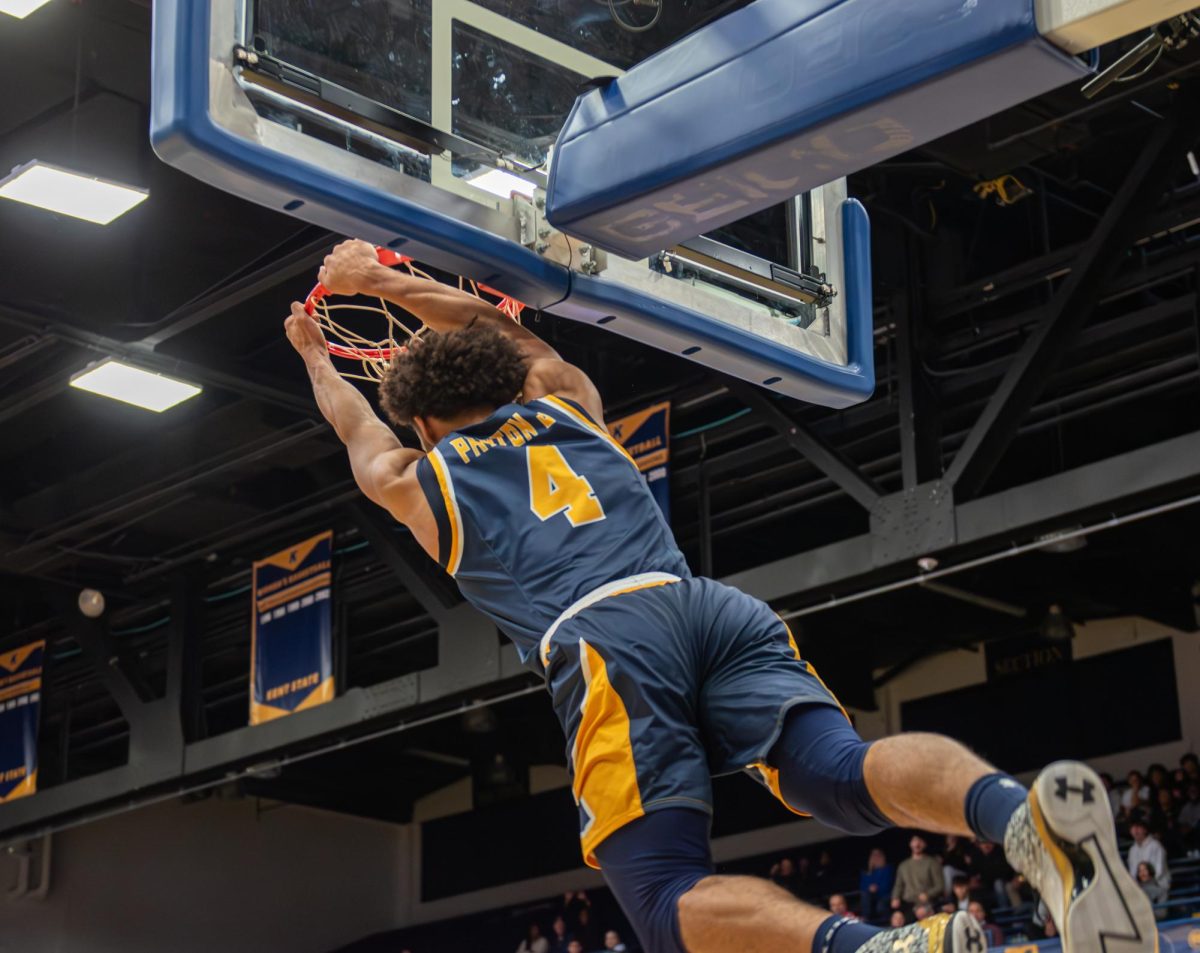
<point x="443" y="375"/>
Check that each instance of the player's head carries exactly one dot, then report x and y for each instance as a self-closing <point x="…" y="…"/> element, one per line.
<point x="443" y="378"/>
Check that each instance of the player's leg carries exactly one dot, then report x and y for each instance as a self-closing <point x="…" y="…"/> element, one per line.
<point x="660" y="870"/>
<point x="1059" y="835"/>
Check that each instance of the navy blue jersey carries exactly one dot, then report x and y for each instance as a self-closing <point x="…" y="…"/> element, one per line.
<point x="536" y="507"/>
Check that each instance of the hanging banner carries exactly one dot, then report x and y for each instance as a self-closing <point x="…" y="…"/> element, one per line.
<point x="291" y="650"/>
<point x="647" y="437"/>
<point x="20" y="697"/>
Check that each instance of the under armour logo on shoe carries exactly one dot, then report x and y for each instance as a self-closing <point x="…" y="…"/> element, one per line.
<point x="1087" y="790"/>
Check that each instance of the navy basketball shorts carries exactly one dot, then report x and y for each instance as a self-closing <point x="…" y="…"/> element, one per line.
<point x="661" y="685"/>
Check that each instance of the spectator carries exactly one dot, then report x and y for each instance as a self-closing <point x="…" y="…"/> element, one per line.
<point x="1166" y="820"/>
<point x="534" y="942"/>
<point x="839" y="907"/>
<point x="995" y="875"/>
<point x="1146" y="847"/>
<point x="574" y="947"/>
<point x="1148" y="881"/>
<point x="1158" y="778"/>
<point x="1191" y="767"/>
<point x="1135" y="794"/>
<point x="824" y="876"/>
<point x="783" y="874"/>
<point x="875" y="883"/>
<point x="558" y="935"/>
<point x="959" y="897"/>
<point x="918" y="874"/>
<point x="585" y="932"/>
<point x="573" y="903"/>
<point x="1114" y="796"/>
<point x="612" y="941"/>
<point x="897" y="920"/>
<point x="923" y="910"/>
<point x="1189" y="817"/>
<point x="957" y="858"/>
<point x="995" y="936"/>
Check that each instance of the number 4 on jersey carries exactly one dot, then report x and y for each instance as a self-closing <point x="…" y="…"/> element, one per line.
<point x="555" y="488"/>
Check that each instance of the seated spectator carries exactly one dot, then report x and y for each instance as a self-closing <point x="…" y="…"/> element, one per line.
<point x="574" y="947"/>
<point x="918" y="874"/>
<point x="898" y="919"/>
<point x="1114" y="796"/>
<point x="958" y="857"/>
<point x="824" y="874"/>
<point x="1135" y="793"/>
<point x="922" y="910"/>
<point x="612" y="941"/>
<point x="1146" y="847"/>
<point x="839" y="907"/>
<point x="996" y="876"/>
<point x="585" y="933"/>
<point x="1189" y="817"/>
<point x="875" y="883"/>
<point x="1165" y="820"/>
<point x="558" y="935"/>
<point x="784" y="874"/>
<point x="1158" y="778"/>
<point x="534" y="942"/>
<point x="1148" y="881"/>
<point x="959" y="897"/>
<point x="995" y="936"/>
<point x="573" y="902"/>
<point x="1191" y="768"/>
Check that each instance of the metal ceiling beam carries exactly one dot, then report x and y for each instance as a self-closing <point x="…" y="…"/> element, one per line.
<point x="821" y="455"/>
<point x="993" y="524"/>
<point x="1072" y="304"/>
<point x="302" y="261"/>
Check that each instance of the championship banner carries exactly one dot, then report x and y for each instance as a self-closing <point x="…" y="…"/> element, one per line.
<point x="20" y="695"/>
<point x="291" y="649"/>
<point x="647" y="435"/>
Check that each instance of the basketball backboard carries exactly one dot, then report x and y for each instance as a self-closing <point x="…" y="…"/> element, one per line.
<point x="429" y="126"/>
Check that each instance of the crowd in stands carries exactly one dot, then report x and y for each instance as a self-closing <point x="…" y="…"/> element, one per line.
<point x="1157" y="814"/>
<point x="573" y="930"/>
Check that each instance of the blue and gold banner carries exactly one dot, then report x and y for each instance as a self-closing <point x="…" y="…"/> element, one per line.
<point x="646" y="435"/>
<point x="20" y="698"/>
<point x="291" y="652"/>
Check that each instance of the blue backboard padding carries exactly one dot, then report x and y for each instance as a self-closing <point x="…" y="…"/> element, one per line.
<point x="185" y="136"/>
<point x="746" y="355"/>
<point x="779" y="98"/>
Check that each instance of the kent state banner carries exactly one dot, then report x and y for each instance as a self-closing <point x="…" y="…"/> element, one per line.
<point x="20" y="694"/>
<point x="647" y="435"/>
<point x="291" y="654"/>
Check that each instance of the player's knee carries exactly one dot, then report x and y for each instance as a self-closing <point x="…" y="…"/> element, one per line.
<point x="820" y="760"/>
<point x="651" y="866"/>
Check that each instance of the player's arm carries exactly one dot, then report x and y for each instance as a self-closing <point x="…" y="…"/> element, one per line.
<point x="354" y="268"/>
<point x="383" y="468"/>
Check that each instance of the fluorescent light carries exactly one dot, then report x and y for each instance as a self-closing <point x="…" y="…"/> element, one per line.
<point x="132" y="385"/>
<point x="70" y="193"/>
<point x="20" y="8"/>
<point x="502" y="183"/>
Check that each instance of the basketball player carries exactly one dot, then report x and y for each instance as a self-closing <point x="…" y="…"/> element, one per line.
<point x="661" y="679"/>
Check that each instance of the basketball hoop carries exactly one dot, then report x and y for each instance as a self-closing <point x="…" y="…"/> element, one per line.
<point x="375" y="354"/>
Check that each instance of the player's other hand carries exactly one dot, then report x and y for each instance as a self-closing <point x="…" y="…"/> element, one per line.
<point x="351" y="268"/>
<point x="304" y="333"/>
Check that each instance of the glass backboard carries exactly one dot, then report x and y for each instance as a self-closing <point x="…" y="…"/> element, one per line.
<point x="430" y="125"/>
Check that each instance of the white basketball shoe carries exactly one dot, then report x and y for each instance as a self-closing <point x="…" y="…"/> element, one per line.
<point x="1064" y="842"/>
